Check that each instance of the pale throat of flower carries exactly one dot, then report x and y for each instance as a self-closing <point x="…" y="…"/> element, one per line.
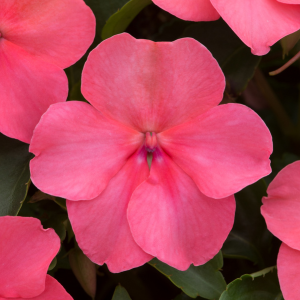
<point x="150" y="146"/>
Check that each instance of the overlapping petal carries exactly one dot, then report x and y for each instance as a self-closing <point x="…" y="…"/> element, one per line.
<point x="152" y="86"/>
<point x="191" y="10"/>
<point x="49" y="29"/>
<point x="288" y="264"/>
<point x="53" y="290"/>
<point x="100" y="225"/>
<point x="28" y="87"/>
<point x="223" y="150"/>
<point x="171" y="219"/>
<point x="259" y="23"/>
<point x="26" y="251"/>
<point x="78" y="150"/>
<point x="281" y="208"/>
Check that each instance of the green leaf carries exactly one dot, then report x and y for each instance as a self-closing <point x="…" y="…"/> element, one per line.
<point x="289" y="42"/>
<point x="70" y="231"/>
<point x="75" y="92"/>
<point x="118" y="22"/>
<point x="56" y="221"/>
<point x="205" y="281"/>
<point x="53" y="264"/>
<point x="261" y="285"/>
<point x="84" y="270"/>
<point x="183" y="296"/>
<point x="120" y="294"/>
<point x="234" y="57"/>
<point x="51" y="215"/>
<point x="249" y="238"/>
<point x="14" y="175"/>
<point x="62" y="261"/>
<point x="104" y="9"/>
<point x="61" y="202"/>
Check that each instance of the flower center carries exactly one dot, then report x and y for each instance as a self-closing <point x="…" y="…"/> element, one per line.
<point x="150" y="141"/>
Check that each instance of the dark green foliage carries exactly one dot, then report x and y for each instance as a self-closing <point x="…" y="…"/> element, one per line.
<point x="14" y="175"/>
<point x="205" y="281"/>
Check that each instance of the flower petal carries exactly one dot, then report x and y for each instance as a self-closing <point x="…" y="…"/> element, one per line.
<point x="281" y="208"/>
<point x="78" y="150"/>
<point x="49" y="29"/>
<point x="53" y="290"/>
<point x="171" y="219"/>
<point x="259" y="23"/>
<point x="152" y="86"/>
<point x="26" y="251"/>
<point x="190" y="10"/>
<point x="28" y="87"/>
<point x="100" y="225"/>
<point x="288" y="264"/>
<point x="289" y="1"/>
<point x="223" y="150"/>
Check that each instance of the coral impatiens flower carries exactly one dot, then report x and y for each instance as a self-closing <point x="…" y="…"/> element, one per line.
<point x="281" y="210"/>
<point x="26" y="251"/>
<point x="38" y="39"/>
<point x="157" y="100"/>
<point x="258" y="23"/>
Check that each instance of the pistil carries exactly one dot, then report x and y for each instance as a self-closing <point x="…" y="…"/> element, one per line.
<point x="150" y="141"/>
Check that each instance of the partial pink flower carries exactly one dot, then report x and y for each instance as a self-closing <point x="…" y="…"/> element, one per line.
<point x="281" y="212"/>
<point x="190" y="10"/>
<point x="156" y="101"/>
<point x="25" y="255"/>
<point x="258" y="23"/>
<point x="38" y="39"/>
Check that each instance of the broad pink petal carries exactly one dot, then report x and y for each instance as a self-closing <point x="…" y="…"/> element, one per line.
<point x="223" y="150"/>
<point x="100" y="225"/>
<point x="53" y="290"/>
<point x="190" y="10"/>
<point x="78" y="150"/>
<point x="281" y="208"/>
<point x="259" y="23"/>
<point x="152" y="86"/>
<point x="28" y="87"/>
<point x="26" y="251"/>
<point x="171" y="219"/>
<point x="290" y="1"/>
<point x="58" y="31"/>
<point x="288" y="264"/>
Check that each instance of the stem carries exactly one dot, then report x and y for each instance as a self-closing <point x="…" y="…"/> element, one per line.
<point x="284" y="121"/>
<point x="285" y="66"/>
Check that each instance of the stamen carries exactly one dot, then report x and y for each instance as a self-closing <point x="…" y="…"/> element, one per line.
<point x="151" y="141"/>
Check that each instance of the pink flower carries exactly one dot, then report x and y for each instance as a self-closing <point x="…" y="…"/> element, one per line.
<point x="38" y="39"/>
<point x="281" y="211"/>
<point x="258" y="23"/>
<point x="157" y="100"/>
<point x="25" y="255"/>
